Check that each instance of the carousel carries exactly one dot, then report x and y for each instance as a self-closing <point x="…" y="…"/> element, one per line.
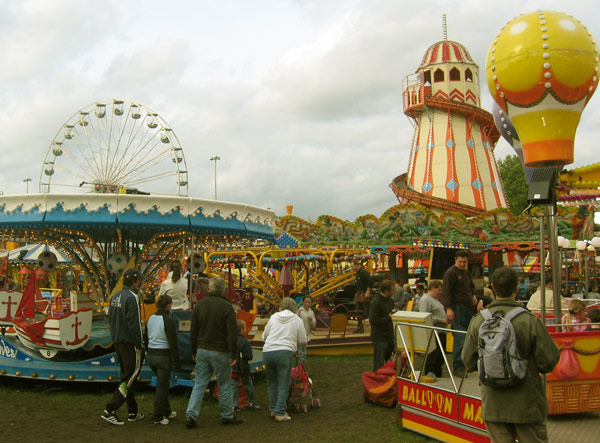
<point x="103" y="201"/>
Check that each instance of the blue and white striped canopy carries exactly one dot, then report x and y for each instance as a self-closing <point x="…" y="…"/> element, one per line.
<point x="32" y="252"/>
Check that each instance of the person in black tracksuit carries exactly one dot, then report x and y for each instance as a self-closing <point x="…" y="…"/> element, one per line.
<point x="126" y="333"/>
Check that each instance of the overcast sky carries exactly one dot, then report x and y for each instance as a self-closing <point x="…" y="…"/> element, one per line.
<point x="300" y="99"/>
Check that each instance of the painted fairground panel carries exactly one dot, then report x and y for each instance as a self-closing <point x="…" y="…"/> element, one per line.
<point x="404" y="223"/>
<point x="574" y="385"/>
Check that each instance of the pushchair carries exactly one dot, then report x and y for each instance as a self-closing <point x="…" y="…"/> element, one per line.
<point x="302" y="396"/>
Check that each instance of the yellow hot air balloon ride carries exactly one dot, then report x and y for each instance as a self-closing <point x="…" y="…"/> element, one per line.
<point x="542" y="69"/>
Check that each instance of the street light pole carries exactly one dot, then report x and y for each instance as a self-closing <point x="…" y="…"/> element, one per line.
<point x="26" y="180"/>
<point x="215" y="158"/>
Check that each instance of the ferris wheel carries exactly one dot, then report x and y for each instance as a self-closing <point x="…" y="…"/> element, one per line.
<point x="115" y="146"/>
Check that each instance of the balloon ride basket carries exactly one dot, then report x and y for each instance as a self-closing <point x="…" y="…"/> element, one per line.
<point x="449" y="408"/>
<point x="574" y="385"/>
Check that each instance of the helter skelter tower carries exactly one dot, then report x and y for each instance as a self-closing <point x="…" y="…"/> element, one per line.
<point x="452" y="164"/>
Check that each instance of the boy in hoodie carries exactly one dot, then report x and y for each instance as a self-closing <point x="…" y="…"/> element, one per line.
<point x="242" y="368"/>
<point x="282" y="335"/>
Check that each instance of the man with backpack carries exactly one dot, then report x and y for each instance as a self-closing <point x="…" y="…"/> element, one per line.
<point x="513" y="399"/>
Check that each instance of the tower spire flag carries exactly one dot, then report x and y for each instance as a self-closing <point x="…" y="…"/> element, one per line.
<point x="444" y="28"/>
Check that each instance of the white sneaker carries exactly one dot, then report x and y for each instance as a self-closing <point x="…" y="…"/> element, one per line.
<point x="284" y="417"/>
<point x="135" y="417"/>
<point x="112" y="418"/>
<point x="164" y="421"/>
<point x="172" y="415"/>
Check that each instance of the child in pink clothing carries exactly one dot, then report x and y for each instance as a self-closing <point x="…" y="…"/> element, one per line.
<point x="576" y="319"/>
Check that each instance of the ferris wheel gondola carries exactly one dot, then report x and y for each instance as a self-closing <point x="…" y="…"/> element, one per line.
<point x="115" y="146"/>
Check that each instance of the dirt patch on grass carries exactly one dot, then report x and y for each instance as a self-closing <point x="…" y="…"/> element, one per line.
<point x="42" y="412"/>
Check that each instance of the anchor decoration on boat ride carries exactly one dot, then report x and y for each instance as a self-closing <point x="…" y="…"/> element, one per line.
<point x="48" y="331"/>
<point x="77" y="340"/>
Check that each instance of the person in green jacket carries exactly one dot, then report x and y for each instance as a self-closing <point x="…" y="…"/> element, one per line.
<point x="523" y="409"/>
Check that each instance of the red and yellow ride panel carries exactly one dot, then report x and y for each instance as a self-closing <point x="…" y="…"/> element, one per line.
<point x="574" y="385"/>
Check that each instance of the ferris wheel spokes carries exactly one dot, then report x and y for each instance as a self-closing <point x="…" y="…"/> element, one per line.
<point x="111" y="144"/>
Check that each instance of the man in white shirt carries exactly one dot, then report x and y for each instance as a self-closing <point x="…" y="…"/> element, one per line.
<point x="431" y="302"/>
<point x="535" y="301"/>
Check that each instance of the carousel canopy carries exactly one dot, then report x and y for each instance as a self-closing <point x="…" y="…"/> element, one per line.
<point x="31" y="253"/>
<point x="141" y="216"/>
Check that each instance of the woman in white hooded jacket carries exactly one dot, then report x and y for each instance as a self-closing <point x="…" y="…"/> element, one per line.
<point x="282" y="335"/>
<point x="176" y="286"/>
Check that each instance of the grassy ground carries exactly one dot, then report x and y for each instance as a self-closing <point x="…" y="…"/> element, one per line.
<point x="42" y="412"/>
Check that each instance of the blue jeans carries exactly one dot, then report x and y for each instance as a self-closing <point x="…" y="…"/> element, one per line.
<point x="161" y="366"/>
<point x="279" y="368"/>
<point x="462" y="317"/>
<point x="208" y="362"/>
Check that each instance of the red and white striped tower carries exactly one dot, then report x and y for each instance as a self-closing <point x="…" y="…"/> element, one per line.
<point x="452" y="164"/>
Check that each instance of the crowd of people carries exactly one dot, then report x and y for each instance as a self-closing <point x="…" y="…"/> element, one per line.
<point x="220" y="348"/>
<point x="456" y="302"/>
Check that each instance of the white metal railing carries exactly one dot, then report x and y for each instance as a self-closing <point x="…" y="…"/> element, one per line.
<point x="412" y="91"/>
<point x="433" y="338"/>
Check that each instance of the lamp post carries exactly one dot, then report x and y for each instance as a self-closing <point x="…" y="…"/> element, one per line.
<point x="581" y="246"/>
<point x="563" y="243"/>
<point x="26" y="180"/>
<point x="594" y="243"/>
<point x="215" y="158"/>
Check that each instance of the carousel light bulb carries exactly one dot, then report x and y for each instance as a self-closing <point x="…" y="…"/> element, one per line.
<point x="542" y="78"/>
<point x="595" y="242"/>
<point x="581" y="245"/>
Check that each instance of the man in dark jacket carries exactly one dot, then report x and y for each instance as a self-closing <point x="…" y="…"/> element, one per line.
<point x="458" y="295"/>
<point x="213" y="338"/>
<point x="523" y="409"/>
<point x="126" y="332"/>
<point x="382" y="327"/>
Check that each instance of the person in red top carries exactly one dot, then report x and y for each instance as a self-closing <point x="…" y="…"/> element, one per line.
<point x="458" y="296"/>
